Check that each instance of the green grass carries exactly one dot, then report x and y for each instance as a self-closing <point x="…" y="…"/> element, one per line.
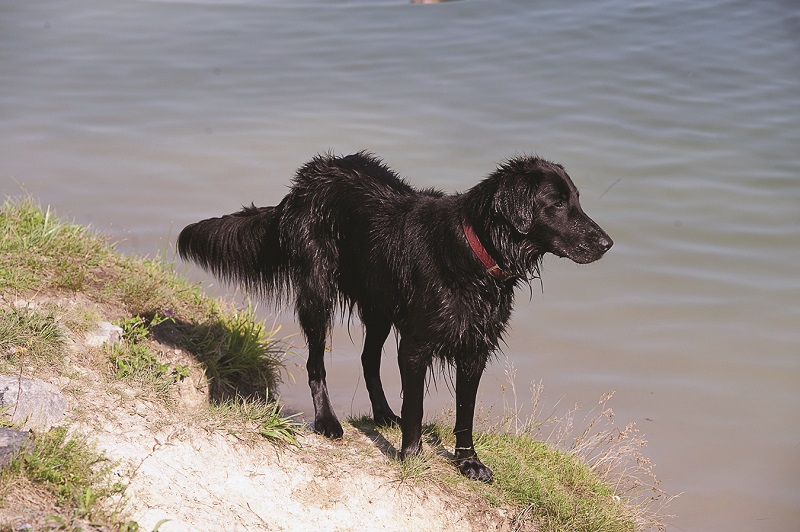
<point x="545" y="487"/>
<point x="560" y="490"/>
<point x="241" y="357"/>
<point x="72" y="471"/>
<point x="38" y="249"/>
<point x="31" y="337"/>
<point x="42" y="256"/>
<point x="244" y="419"/>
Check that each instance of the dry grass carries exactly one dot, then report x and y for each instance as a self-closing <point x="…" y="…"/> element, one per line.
<point x="615" y="455"/>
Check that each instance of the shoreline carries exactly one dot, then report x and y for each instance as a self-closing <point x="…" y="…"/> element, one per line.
<point x="163" y="403"/>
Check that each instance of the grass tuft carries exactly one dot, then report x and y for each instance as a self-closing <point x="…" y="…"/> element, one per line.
<point x="71" y="470"/>
<point x="241" y="357"/>
<point x="244" y="418"/>
<point x="30" y="337"/>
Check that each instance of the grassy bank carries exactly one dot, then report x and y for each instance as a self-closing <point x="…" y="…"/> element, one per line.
<point x="58" y="280"/>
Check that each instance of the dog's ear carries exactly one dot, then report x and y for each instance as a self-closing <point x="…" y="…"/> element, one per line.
<point x="514" y="201"/>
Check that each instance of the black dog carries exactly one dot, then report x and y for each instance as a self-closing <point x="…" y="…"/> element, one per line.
<point x="440" y="269"/>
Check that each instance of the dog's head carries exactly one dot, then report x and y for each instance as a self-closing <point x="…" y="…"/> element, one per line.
<point x="539" y="203"/>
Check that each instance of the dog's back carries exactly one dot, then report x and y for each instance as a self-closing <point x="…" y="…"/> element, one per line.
<point x="332" y="226"/>
<point x="334" y="191"/>
<point x="342" y="220"/>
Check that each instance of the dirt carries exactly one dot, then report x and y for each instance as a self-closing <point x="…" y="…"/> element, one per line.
<point x="201" y="480"/>
<point x="209" y="480"/>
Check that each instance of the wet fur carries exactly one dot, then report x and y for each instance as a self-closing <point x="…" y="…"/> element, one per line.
<point x="352" y="234"/>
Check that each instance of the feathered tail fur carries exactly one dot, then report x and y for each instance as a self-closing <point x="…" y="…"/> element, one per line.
<point x="241" y="248"/>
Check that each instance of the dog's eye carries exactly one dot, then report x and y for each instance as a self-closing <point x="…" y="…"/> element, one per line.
<point x="558" y="204"/>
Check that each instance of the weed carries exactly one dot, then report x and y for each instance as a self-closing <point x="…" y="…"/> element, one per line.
<point x="70" y="469"/>
<point x="136" y="329"/>
<point x="29" y="335"/>
<point x="133" y="358"/>
<point x="616" y="456"/>
<point x="137" y="362"/>
<point x="181" y="372"/>
<point x="241" y="357"/>
<point x="241" y="418"/>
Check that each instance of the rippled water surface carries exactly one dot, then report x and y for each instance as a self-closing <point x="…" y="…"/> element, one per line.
<point x="679" y="121"/>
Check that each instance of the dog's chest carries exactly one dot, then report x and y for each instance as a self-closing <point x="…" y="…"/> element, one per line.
<point x="459" y="320"/>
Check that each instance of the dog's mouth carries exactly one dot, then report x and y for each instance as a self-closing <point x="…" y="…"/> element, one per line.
<point x="585" y="252"/>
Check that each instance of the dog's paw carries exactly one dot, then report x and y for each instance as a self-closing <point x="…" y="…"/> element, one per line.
<point x="329" y="427"/>
<point x="473" y="469"/>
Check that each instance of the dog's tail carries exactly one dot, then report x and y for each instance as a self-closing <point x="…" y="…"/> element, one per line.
<point x="241" y="248"/>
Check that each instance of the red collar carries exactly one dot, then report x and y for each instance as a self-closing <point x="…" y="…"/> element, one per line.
<point x="488" y="262"/>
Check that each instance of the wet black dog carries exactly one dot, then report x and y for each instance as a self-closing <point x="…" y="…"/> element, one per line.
<point x="440" y="269"/>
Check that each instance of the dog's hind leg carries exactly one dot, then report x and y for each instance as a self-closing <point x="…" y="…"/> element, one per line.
<point x="314" y="317"/>
<point x="377" y="330"/>
<point x="467" y="460"/>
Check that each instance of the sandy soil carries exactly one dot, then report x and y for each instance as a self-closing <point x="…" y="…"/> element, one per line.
<point x="182" y="477"/>
<point x="210" y="480"/>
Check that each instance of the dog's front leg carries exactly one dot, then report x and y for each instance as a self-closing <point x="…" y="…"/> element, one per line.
<point x="467" y="381"/>
<point x="413" y="367"/>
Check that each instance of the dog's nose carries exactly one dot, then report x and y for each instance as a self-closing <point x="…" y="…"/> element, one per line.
<point x="605" y="243"/>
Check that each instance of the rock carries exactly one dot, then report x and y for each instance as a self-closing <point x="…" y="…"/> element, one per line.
<point x="21" y="304"/>
<point x="31" y="403"/>
<point x="103" y="333"/>
<point x="12" y="441"/>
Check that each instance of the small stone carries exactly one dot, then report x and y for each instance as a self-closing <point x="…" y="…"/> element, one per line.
<point x="31" y="403"/>
<point x="21" y="304"/>
<point x="12" y="441"/>
<point x="104" y="333"/>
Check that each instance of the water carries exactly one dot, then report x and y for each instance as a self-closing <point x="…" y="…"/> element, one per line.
<point x="679" y="121"/>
